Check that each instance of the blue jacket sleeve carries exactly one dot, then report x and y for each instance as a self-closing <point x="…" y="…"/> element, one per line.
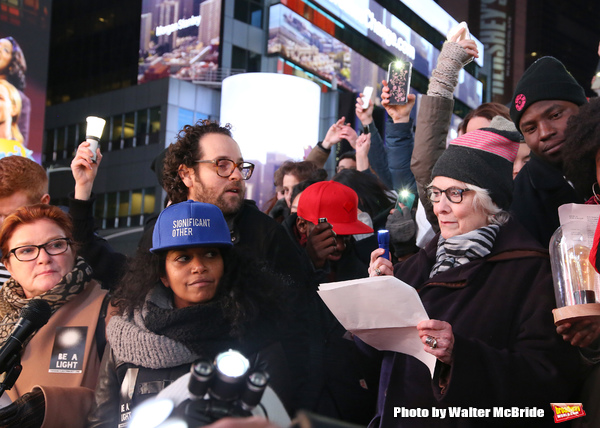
<point x="378" y="157"/>
<point x="400" y="142"/>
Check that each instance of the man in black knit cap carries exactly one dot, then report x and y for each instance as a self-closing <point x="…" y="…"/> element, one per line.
<point x="544" y="99"/>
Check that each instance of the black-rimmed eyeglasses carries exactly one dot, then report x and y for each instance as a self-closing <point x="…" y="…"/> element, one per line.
<point x="225" y="167"/>
<point x="454" y="194"/>
<point x="27" y="253"/>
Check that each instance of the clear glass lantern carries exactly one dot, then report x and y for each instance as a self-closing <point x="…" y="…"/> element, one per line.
<point x="576" y="282"/>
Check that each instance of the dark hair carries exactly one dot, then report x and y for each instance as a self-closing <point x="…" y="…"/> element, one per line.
<point x="278" y="178"/>
<point x="373" y="196"/>
<point x="350" y="154"/>
<point x="17" y="67"/>
<point x="486" y="110"/>
<point x="184" y="152"/>
<point x="582" y="142"/>
<point x="245" y="289"/>
<point x="301" y="170"/>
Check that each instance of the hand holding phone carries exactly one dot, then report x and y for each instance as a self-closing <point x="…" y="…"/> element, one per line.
<point x="383" y="239"/>
<point x="405" y="198"/>
<point x="367" y="93"/>
<point x="451" y="36"/>
<point x="398" y="80"/>
<point x="457" y="34"/>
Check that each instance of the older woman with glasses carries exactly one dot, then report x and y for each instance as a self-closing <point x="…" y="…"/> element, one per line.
<point x="60" y="363"/>
<point x="487" y="286"/>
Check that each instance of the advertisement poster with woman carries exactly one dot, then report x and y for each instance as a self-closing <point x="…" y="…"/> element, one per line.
<point x="24" y="46"/>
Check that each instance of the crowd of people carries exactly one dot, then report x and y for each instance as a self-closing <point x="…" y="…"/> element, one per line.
<point x="213" y="272"/>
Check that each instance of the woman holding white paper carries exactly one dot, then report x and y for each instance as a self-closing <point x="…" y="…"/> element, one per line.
<point x="487" y="287"/>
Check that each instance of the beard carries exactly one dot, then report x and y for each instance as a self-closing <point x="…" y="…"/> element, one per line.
<point x="229" y="203"/>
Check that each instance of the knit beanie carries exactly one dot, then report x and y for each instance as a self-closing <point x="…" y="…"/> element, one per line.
<point x="545" y="79"/>
<point x="483" y="158"/>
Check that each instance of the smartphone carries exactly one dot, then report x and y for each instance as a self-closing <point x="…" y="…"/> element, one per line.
<point x="405" y="198"/>
<point x="398" y="78"/>
<point x="367" y="93"/>
<point x="464" y="36"/>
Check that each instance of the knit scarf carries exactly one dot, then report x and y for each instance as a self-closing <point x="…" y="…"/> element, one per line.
<point x="12" y="296"/>
<point x="160" y="336"/>
<point x="462" y="249"/>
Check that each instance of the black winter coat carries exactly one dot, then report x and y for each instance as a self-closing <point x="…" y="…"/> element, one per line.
<point x="342" y="383"/>
<point x="539" y="189"/>
<point x="506" y="351"/>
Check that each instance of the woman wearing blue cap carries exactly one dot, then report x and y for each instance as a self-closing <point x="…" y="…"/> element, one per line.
<point x="191" y="297"/>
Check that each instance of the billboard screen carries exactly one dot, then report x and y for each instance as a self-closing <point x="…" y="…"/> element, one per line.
<point x="24" y="46"/>
<point x="300" y="41"/>
<point x="179" y="38"/>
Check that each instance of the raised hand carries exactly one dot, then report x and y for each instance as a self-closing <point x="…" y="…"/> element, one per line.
<point x="398" y="113"/>
<point x="85" y="170"/>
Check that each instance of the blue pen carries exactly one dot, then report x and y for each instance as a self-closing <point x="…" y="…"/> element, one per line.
<point x="383" y="239"/>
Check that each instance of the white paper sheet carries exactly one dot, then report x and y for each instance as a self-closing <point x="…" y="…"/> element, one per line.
<point x="382" y="311"/>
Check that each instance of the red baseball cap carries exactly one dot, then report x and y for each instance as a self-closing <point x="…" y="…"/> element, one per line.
<point x="337" y="203"/>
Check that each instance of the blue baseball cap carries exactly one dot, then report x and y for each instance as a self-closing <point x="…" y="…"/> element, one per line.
<point x="190" y="224"/>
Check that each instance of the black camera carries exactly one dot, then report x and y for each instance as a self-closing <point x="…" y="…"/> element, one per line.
<point x="225" y="387"/>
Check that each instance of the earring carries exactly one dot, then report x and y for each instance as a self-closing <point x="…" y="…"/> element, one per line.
<point x="594" y="191"/>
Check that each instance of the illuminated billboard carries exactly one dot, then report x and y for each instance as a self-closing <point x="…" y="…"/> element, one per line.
<point x="295" y="38"/>
<point x="179" y="38"/>
<point x="24" y="46"/>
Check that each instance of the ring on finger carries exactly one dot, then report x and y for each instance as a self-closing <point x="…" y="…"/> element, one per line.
<point x="377" y="272"/>
<point x="431" y="341"/>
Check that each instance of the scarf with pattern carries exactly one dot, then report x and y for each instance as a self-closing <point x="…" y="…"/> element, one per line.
<point x="12" y="296"/>
<point x="462" y="249"/>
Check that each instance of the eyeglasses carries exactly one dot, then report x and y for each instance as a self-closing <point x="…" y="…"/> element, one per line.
<point x="27" y="253"/>
<point x="454" y="194"/>
<point x="225" y="167"/>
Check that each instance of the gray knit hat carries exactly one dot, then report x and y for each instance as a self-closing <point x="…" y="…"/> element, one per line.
<point x="484" y="158"/>
<point x="545" y="79"/>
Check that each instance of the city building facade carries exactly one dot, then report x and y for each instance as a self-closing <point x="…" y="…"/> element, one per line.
<point x="183" y="51"/>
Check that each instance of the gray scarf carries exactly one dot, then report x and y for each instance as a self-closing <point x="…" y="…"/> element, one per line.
<point x="132" y="342"/>
<point x="462" y="249"/>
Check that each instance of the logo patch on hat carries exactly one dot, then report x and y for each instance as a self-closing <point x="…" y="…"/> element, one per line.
<point x="520" y="101"/>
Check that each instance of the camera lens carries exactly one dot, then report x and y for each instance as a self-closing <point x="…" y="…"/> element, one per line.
<point x="202" y="373"/>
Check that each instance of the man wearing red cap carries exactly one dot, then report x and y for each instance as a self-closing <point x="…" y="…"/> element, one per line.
<point x="343" y="383"/>
<point x="328" y="217"/>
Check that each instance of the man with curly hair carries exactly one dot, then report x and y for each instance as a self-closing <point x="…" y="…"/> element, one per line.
<point x="544" y="99"/>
